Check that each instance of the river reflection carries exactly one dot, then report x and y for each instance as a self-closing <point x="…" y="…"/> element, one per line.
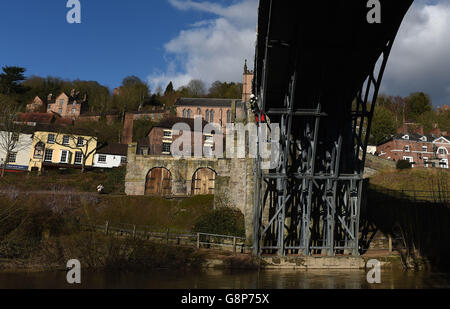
<point x="216" y="279"/>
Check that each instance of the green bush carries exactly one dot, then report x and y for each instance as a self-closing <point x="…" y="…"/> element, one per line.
<point x="403" y="165"/>
<point x="222" y="221"/>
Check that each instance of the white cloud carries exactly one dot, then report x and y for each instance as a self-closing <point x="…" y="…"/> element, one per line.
<point x="420" y="59"/>
<point x="212" y="49"/>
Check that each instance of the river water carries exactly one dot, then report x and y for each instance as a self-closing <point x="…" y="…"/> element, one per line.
<point x="218" y="279"/>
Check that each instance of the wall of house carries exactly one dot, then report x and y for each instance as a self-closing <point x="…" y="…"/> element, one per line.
<point x="23" y="150"/>
<point x="234" y="182"/>
<point x="58" y="148"/>
<point x="220" y="113"/>
<point x="127" y="132"/>
<point x="112" y="161"/>
<point x="396" y="150"/>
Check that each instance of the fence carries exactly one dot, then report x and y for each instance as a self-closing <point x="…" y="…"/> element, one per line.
<point x="199" y="240"/>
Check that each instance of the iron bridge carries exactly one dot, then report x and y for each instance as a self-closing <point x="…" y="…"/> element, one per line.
<point x="318" y="70"/>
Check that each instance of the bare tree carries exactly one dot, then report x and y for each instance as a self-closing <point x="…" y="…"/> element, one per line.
<point x="81" y="143"/>
<point x="11" y="140"/>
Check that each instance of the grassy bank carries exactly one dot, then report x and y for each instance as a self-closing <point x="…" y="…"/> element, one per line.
<point x="418" y="179"/>
<point x="39" y="232"/>
<point x="66" y="180"/>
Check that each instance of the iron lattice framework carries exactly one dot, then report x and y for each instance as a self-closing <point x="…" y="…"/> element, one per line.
<point x="310" y="203"/>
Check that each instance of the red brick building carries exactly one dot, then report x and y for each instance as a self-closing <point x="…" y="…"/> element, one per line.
<point x="160" y="138"/>
<point x="421" y="150"/>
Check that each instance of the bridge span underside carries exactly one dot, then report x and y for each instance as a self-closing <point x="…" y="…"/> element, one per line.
<point x="318" y="70"/>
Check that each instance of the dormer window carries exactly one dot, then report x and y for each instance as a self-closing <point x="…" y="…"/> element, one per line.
<point x="423" y="138"/>
<point x="406" y="137"/>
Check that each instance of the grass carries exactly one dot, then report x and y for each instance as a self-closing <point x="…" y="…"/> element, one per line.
<point x="419" y="179"/>
<point x="66" y="180"/>
<point x="43" y="230"/>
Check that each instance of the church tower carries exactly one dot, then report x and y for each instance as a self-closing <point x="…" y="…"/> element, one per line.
<point x="247" y="83"/>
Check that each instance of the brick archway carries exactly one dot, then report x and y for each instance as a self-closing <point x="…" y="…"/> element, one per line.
<point x="158" y="182"/>
<point x="203" y="181"/>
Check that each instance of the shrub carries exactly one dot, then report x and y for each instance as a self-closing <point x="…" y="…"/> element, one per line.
<point x="222" y="221"/>
<point x="403" y="165"/>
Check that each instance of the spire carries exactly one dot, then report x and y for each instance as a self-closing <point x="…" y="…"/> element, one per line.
<point x="245" y="67"/>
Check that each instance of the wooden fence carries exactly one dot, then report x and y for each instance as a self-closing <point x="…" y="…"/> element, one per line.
<point x="199" y="240"/>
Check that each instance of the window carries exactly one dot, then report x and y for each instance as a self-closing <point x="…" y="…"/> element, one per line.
<point x="65" y="140"/>
<point x="407" y="149"/>
<point x="12" y="157"/>
<point x="74" y="103"/>
<point x="64" y="156"/>
<point x="199" y="111"/>
<point x="80" y="141"/>
<point x="123" y="160"/>
<point x="189" y="113"/>
<point x="48" y="155"/>
<point x="74" y="110"/>
<point x="51" y="138"/>
<point x="212" y="116"/>
<point x="39" y="151"/>
<point x="60" y="111"/>
<point x="228" y="116"/>
<point x="166" y="148"/>
<point x="167" y="133"/>
<point x="49" y="107"/>
<point x="425" y="161"/>
<point x="424" y="148"/>
<point x="207" y="115"/>
<point x="15" y="137"/>
<point x="61" y="102"/>
<point x="78" y="157"/>
<point x="102" y="158"/>
<point x="442" y="151"/>
<point x="184" y="113"/>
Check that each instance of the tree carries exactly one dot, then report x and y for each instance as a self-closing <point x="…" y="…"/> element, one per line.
<point x="196" y="88"/>
<point x="225" y="90"/>
<point x="383" y="125"/>
<point x="10" y="130"/>
<point x="419" y="103"/>
<point x="169" y="89"/>
<point x="11" y="80"/>
<point x="132" y="96"/>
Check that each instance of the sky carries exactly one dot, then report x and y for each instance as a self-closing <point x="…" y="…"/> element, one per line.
<point x="179" y="40"/>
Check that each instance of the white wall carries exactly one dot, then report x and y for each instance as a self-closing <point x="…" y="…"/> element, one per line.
<point x="23" y="150"/>
<point x="111" y="161"/>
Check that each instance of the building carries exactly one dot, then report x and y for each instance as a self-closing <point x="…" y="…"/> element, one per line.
<point x="220" y="111"/>
<point x="247" y="83"/>
<point x="111" y="156"/>
<point x="19" y="158"/>
<point x="67" y="105"/>
<point x="130" y="118"/>
<point x="161" y="137"/>
<point x="421" y="150"/>
<point x="36" y="106"/>
<point x="53" y="148"/>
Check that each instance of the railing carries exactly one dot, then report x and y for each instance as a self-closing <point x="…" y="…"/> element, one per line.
<point x="199" y="240"/>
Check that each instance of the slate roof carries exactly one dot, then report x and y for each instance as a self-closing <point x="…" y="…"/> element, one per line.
<point x="114" y="149"/>
<point x="206" y="102"/>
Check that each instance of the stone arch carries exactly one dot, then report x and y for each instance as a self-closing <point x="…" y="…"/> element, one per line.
<point x="158" y="182"/>
<point x="203" y="181"/>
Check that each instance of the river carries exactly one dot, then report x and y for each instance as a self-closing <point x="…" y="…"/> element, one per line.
<point x="218" y="279"/>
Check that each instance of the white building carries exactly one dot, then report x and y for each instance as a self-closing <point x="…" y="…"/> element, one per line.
<point x="19" y="157"/>
<point x="111" y="156"/>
